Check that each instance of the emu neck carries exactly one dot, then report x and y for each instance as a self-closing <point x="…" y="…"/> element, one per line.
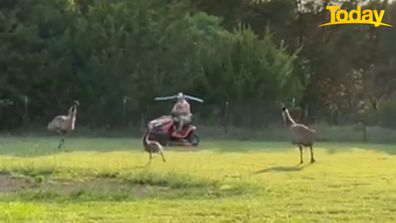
<point x="72" y="112"/>
<point x="145" y="138"/>
<point x="290" y="120"/>
<point x="72" y="117"/>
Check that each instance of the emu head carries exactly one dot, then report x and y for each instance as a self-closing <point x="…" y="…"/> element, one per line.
<point x="73" y="108"/>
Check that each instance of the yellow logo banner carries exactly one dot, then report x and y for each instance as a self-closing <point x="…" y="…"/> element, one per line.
<point x="339" y="16"/>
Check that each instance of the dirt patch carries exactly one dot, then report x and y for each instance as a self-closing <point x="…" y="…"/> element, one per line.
<point x="9" y="184"/>
<point x="98" y="185"/>
<point x="90" y="187"/>
<point x="115" y="189"/>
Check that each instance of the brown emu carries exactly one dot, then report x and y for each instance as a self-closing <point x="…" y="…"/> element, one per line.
<point x="301" y="134"/>
<point x="152" y="146"/>
<point x="63" y="124"/>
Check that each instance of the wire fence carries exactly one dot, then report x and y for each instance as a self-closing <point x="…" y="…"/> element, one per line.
<point x="228" y="120"/>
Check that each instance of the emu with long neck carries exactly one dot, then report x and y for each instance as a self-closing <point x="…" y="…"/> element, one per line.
<point x="151" y="146"/>
<point x="301" y="134"/>
<point x="63" y="124"/>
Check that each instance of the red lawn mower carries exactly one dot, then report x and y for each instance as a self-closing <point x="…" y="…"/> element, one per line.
<point x="166" y="131"/>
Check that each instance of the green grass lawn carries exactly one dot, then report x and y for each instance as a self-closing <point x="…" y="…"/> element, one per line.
<point x="107" y="180"/>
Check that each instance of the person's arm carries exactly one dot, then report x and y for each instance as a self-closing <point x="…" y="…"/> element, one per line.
<point x="187" y="108"/>
<point x="174" y="109"/>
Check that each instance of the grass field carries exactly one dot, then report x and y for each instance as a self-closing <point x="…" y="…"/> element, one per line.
<point x="107" y="180"/>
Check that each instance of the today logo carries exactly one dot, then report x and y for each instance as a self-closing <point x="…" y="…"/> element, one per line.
<point x="339" y="16"/>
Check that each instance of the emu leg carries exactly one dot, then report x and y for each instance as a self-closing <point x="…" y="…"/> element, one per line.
<point x="61" y="143"/>
<point x="312" y="154"/>
<point x="150" y="157"/>
<point x="301" y="154"/>
<point x="162" y="155"/>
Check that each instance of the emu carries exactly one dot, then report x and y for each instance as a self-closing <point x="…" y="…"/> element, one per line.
<point x="301" y="134"/>
<point x="152" y="146"/>
<point x="63" y="124"/>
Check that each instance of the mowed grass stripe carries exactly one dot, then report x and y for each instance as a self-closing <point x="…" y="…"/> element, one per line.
<point x="222" y="182"/>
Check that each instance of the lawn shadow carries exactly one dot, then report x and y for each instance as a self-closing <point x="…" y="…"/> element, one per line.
<point x="295" y="168"/>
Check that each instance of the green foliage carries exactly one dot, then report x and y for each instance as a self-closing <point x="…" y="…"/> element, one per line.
<point x="339" y="67"/>
<point x="254" y="73"/>
<point x="253" y="54"/>
<point x="102" y="51"/>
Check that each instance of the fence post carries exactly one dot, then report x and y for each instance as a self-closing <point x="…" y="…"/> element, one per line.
<point x="124" y="107"/>
<point x="143" y="117"/>
<point x="26" y="113"/>
<point x="364" y="132"/>
<point x="226" y="117"/>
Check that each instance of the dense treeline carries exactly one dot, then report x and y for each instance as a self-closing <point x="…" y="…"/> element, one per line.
<point x="114" y="56"/>
<point x="347" y="72"/>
